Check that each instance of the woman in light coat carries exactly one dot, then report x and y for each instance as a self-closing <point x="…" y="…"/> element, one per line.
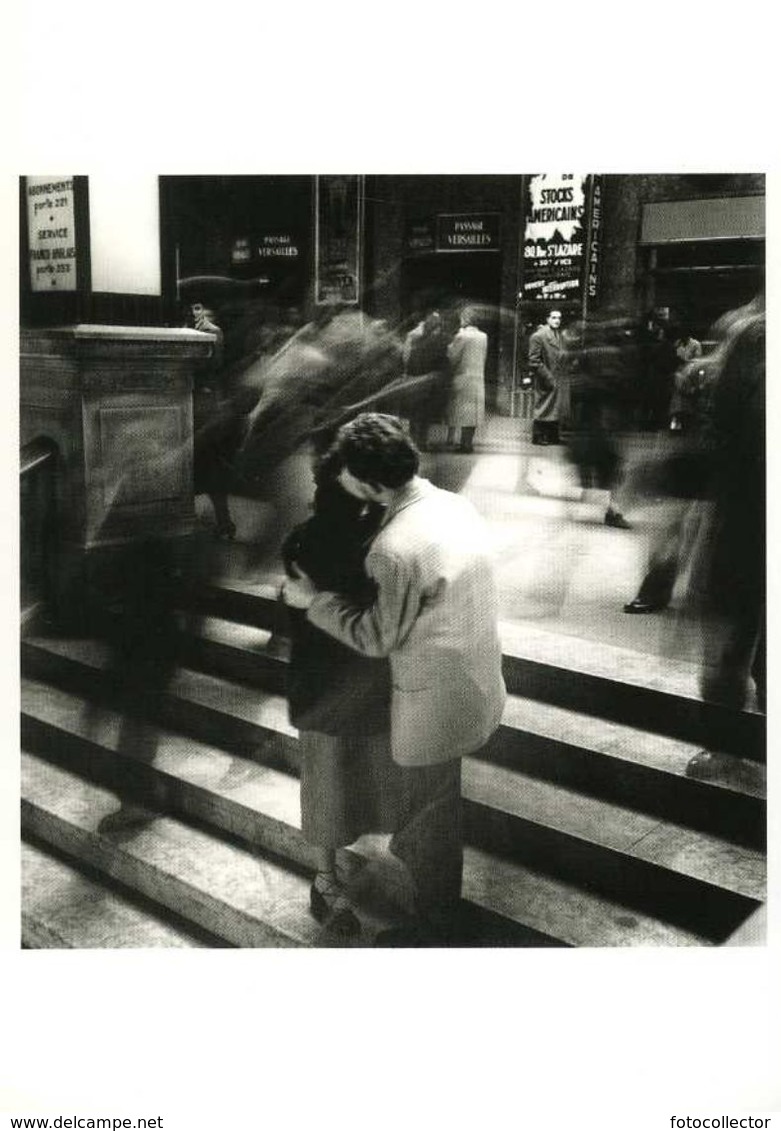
<point x="466" y="402"/>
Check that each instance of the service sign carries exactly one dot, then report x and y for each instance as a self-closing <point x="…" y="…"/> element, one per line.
<point x="241" y="250"/>
<point x="469" y="232"/>
<point x="52" y="233"/>
<point x="555" y="237"/>
<point x="419" y="236"/>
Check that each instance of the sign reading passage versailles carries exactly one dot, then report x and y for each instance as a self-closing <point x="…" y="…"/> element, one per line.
<point x="339" y="219"/>
<point x="278" y="246"/>
<point x="51" y="228"/>
<point x="468" y="232"/>
<point x="555" y="238"/>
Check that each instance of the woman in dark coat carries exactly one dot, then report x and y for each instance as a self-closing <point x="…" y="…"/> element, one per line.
<point x="338" y="699"/>
<point x="425" y="357"/>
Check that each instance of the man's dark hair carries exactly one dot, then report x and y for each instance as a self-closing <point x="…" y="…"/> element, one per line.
<point x="375" y="449"/>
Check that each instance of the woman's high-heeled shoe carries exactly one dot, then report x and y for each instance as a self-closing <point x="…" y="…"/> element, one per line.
<point x="330" y="906"/>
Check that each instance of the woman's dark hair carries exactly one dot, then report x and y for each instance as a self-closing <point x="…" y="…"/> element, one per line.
<point x="375" y="449"/>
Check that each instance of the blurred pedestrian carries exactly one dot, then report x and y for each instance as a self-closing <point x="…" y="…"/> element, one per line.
<point x="425" y="357"/>
<point x="546" y="362"/>
<point x="329" y="369"/>
<point x="687" y="350"/>
<point x="466" y="354"/>
<point x="216" y="431"/>
<point x="681" y="478"/>
<point x="135" y="589"/>
<point x="659" y="363"/>
<point x="599" y="378"/>
<point x="729" y="575"/>
<point x="434" y="615"/>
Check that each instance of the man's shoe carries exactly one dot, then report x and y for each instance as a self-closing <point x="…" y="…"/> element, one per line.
<point x="617" y="520"/>
<point x="330" y="906"/>
<point x="439" y="928"/>
<point x="127" y="818"/>
<point x="706" y="765"/>
<point x="639" y="606"/>
<point x="409" y="936"/>
<point x="225" y="531"/>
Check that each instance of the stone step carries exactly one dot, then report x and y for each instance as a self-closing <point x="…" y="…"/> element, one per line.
<point x="251" y="803"/>
<point x="246" y="602"/>
<point x="589" y="842"/>
<point x="257" y="803"/>
<point x="512" y="904"/>
<point x="234" y="651"/>
<point x="227" y="890"/>
<point x="613" y="761"/>
<point x="211" y="709"/>
<point x="592" y="677"/>
<point x="65" y="907"/>
<point x="575" y="915"/>
<point x="698" y="881"/>
<point x="618" y="684"/>
<point x="633" y="767"/>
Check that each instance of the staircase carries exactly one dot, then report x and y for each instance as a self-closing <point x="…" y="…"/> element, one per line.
<point x="582" y="828"/>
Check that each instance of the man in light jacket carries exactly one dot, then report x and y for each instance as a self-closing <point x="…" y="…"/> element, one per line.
<point x="435" y="615"/>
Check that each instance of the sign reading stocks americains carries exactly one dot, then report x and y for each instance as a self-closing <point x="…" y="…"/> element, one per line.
<point x="51" y="230"/>
<point x="561" y="238"/>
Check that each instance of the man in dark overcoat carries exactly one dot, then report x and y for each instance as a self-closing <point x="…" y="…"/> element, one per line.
<point x="546" y="351"/>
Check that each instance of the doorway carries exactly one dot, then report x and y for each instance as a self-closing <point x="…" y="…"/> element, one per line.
<point x="701" y="281"/>
<point x="444" y="281"/>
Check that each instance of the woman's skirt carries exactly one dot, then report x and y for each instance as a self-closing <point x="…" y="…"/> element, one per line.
<point x="349" y="786"/>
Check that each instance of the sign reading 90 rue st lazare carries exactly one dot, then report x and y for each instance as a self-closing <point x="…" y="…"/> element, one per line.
<point x="52" y="235"/>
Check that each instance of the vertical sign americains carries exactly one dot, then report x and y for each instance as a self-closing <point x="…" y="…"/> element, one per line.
<point x="561" y="237"/>
<point x="594" y="236"/>
<point x="338" y="223"/>
<point x="52" y="235"/>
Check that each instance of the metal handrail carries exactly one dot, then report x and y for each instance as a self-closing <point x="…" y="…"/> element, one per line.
<point x="37" y="488"/>
<point x="35" y="454"/>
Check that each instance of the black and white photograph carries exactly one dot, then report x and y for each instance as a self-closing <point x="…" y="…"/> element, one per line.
<point x="392" y="560"/>
<point x="391" y="574"/>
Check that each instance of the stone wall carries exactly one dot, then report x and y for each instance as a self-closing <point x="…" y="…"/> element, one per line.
<point x="621" y="281"/>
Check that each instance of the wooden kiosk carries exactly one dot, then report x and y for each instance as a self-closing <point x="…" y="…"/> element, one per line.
<point x="106" y="373"/>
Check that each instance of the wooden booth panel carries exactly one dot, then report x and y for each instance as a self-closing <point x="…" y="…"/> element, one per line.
<point x="142" y="454"/>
